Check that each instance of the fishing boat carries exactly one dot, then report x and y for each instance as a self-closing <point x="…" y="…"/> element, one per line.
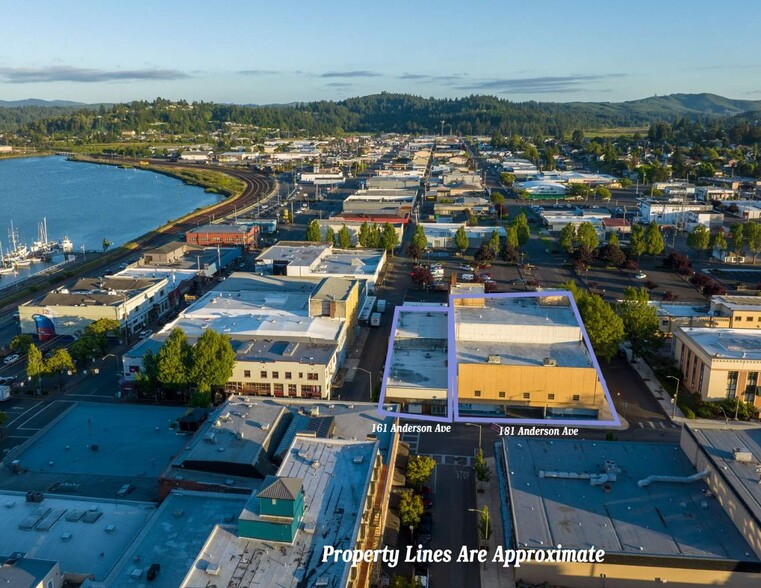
<point x="66" y="245"/>
<point x="43" y="244"/>
<point x="18" y="252"/>
<point x="4" y="268"/>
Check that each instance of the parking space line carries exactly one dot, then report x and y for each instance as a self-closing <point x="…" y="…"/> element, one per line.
<point x="641" y="425"/>
<point x="651" y="424"/>
<point x="22" y="414"/>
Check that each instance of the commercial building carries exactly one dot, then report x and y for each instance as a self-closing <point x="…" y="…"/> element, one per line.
<point x="417" y="376"/>
<point x="133" y="302"/>
<point x="224" y="235"/>
<point x="749" y="209"/>
<point x="661" y="514"/>
<point x="441" y="235"/>
<point x="719" y="363"/>
<point x="289" y="334"/>
<point x="543" y="188"/>
<point x="669" y="212"/>
<point x="742" y="312"/>
<point x="524" y="357"/>
<point x="708" y="218"/>
<point x="300" y="259"/>
<point x="322" y="178"/>
<point x="708" y="193"/>
<point x="474" y="204"/>
<point x="620" y="226"/>
<point x="22" y="572"/>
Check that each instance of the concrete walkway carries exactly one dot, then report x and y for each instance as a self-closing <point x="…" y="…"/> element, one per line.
<point x="493" y="575"/>
<point x="661" y="396"/>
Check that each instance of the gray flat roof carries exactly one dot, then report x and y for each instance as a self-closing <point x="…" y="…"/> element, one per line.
<point x="738" y="302"/>
<point x="567" y="353"/>
<point x="524" y="310"/>
<point x="132" y="441"/>
<point x="666" y="519"/>
<point x="267" y="351"/>
<point x="174" y="535"/>
<point x="354" y="263"/>
<point x="296" y="252"/>
<point x="727" y="343"/>
<point x="220" y="228"/>
<point x="40" y="530"/>
<point x="422" y="366"/>
<point x="422" y="324"/>
<point x="720" y="445"/>
<point x="239" y="430"/>
<point x="334" y="496"/>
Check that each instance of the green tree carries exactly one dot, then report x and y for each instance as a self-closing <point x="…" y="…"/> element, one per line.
<point x="461" y="240"/>
<point x="705" y="170"/>
<point x="330" y="236"/>
<point x="484" y="254"/>
<point x="389" y="238"/>
<point x="637" y="243"/>
<point x="520" y="222"/>
<point x="472" y="220"/>
<point x="568" y="237"/>
<point x="719" y="241"/>
<point x="494" y="242"/>
<point x="507" y="179"/>
<point x="625" y="183"/>
<point x="212" y="365"/>
<point x="87" y="347"/>
<point x="586" y="235"/>
<point x="484" y="524"/>
<point x="498" y="200"/>
<point x="603" y="193"/>
<point x="578" y="190"/>
<point x="410" y="509"/>
<point x="738" y="237"/>
<point x="699" y="238"/>
<point x="373" y="237"/>
<point x="654" y="243"/>
<point x="613" y="239"/>
<point x="483" y="474"/>
<point x="59" y="362"/>
<point x="640" y="320"/>
<point x="419" y="239"/>
<point x="147" y="377"/>
<point x="344" y="238"/>
<point x="752" y="238"/>
<point x="106" y="244"/>
<point x="21" y="343"/>
<point x="511" y="237"/>
<point x="531" y="153"/>
<point x="419" y="469"/>
<point x="35" y="367"/>
<point x="313" y="232"/>
<point x="604" y="327"/>
<point x="364" y="234"/>
<point x="174" y="361"/>
<point x="104" y="327"/>
<point x="577" y="138"/>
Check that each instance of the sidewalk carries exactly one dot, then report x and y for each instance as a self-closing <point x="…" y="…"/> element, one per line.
<point x="652" y="383"/>
<point x="493" y="574"/>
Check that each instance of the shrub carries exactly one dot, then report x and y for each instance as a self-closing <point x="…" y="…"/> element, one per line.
<point x="631" y="264"/>
<point x="688" y="412"/>
<point x="714" y="289"/>
<point x="700" y="280"/>
<point x="679" y="262"/>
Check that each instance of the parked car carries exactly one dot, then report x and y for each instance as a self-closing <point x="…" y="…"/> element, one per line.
<point x="640" y="276"/>
<point x="124" y="490"/>
<point x="11" y="359"/>
<point x="7" y="380"/>
<point x="485" y="275"/>
<point x="427" y="497"/>
<point x="426" y="524"/>
<point x="145" y="333"/>
<point x="421" y="576"/>
<point x="468" y="277"/>
<point x="466" y="267"/>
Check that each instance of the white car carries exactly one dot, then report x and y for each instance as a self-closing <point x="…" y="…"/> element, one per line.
<point x="640" y="276"/>
<point x="468" y="277"/>
<point x="11" y="359"/>
<point x="145" y="334"/>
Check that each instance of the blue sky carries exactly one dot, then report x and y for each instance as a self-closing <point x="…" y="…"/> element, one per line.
<point x="285" y="51"/>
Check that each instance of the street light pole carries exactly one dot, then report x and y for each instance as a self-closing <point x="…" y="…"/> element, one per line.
<point x="676" y="394"/>
<point x="479" y="433"/>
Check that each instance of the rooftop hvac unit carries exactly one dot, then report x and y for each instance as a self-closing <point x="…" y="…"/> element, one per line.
<point x="314" y="411"/>
<point x="212" y="569"/>
<point x="359" y="459"/>
<point x="266" y="427"/>
<point x="549" y="361"/>
<point x="65" y="537"/>
<point x="742" y="454"/>
<point x="494" y="358"/>
<point x="210" y="438"/>
<point x="315" y="464"/>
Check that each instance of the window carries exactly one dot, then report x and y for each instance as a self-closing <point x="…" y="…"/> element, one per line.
<point x="291" y="389"/>
<point x="313" y="391"/>
<point x="749" y="319"/>
<point x="278" y="389"/>
<point x="550" y="397"/>
<point x="287" y="375"/>
<point x="275" y="375"/>
<point x="732" y="384"/>
<point x="751" y="383"/>
<point x="263" y="374"/>
<point x="738" y="319"/>
<point x="501" y="394"/>
<point x="301" y="375"/>
<point x="246" y="373"/>
<point x="477" y="393"/>
<point x="526" y="395"/>
<point x="576" y="398"/>
<point x="313" y="377"/>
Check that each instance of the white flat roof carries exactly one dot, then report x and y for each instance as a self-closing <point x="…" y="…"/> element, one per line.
<point x="726" y="343"/>
<point x="73" y="532"/>
<point x="334" y="496"/>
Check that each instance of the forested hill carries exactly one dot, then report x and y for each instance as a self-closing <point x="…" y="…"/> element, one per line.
<point x="376" y="113"/>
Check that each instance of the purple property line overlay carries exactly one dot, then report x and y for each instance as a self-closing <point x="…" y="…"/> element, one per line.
<point x="453" y="408"/>
<point x="387" y="371"/>
<point x="577" y="423"/>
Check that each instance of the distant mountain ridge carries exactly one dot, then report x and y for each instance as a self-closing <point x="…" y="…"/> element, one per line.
<point x="384" y="112"/>
<point x="39" y="102"/>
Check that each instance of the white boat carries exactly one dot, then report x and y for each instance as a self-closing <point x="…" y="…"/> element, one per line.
<point x="66" y="245"/>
